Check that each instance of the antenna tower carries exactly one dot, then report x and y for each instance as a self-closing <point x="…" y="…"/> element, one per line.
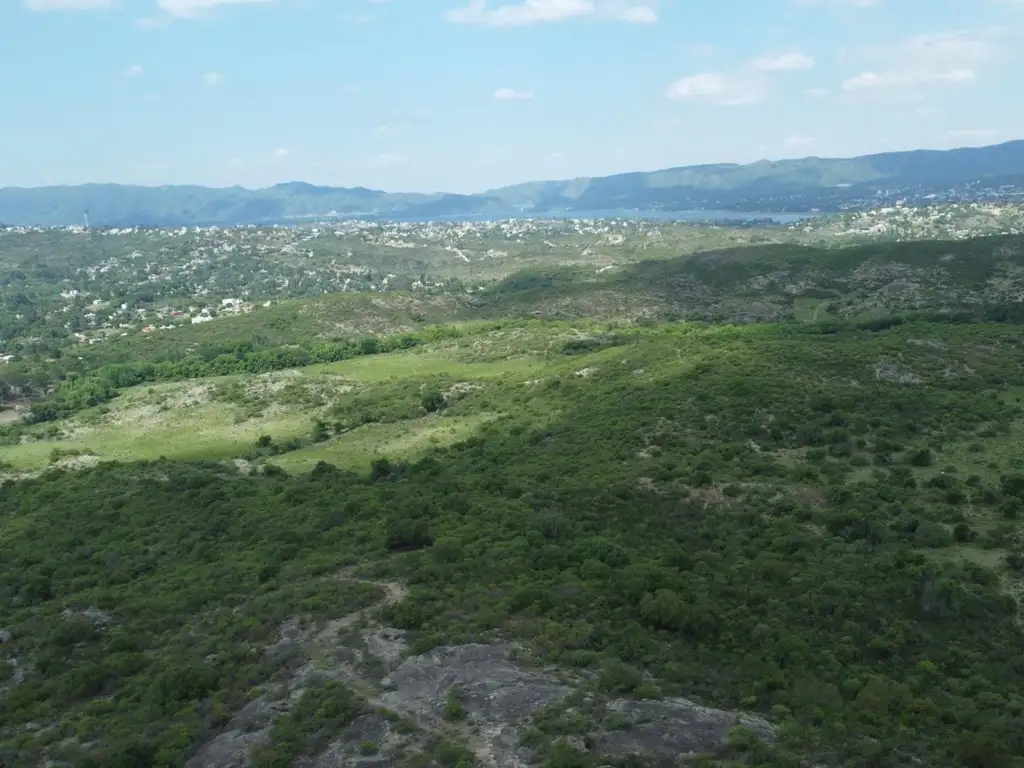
<point x="86" y="219"/>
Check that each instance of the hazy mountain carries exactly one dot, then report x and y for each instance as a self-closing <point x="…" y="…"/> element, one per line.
<point x="810" y="182"/>
<point x="793" y="185"/>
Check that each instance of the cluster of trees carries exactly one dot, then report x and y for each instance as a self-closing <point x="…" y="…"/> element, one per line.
<point x="750" y="516"/>
<point x="77" y="392"/>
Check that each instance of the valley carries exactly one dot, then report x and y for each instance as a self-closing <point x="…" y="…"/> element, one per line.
<point x="511" y="384"/>
<point x="758" y="504"/>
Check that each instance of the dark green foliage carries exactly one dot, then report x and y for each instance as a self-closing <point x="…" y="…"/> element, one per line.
<point x="408" y="534"/>
<point x="693" y="526"/>
<point x="453" y="709"/>
<point x="76" y="392"/>
<point x="306" y="729"/>
<point x="921" y="458"/>
<point x="433" y="401"/>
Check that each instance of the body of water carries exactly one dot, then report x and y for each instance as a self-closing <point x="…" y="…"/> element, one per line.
<point x="688" y="216"/>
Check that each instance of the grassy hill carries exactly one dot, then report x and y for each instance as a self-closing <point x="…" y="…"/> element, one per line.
<point x="605" y="539"/>
<point x="861" y="286"/>
<point x="793" y="184"/>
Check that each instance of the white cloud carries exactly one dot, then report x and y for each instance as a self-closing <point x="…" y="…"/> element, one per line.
<point x="213" y="78"/>
<point x="728" y="90"/>
<point x="838" y="4"/>
<point x="926" y="59"/>
<point x="968" y="136"/>
<point x="748" y="85"/>
<point x="281" y="153"/>
<point x="901" y="78"/>
<point x="782" y="62"/>
<point x="68" y="5"/>
<point x="190" y="9"/>
<point x="511" y="94"/>
<point x="800" y="142"/>
<point x="816" y="93"/>
<point x="389" y="158"/>
<point x="134" y="71"/>
<point x="527" y="12"/>
<point x="946" y="48"/>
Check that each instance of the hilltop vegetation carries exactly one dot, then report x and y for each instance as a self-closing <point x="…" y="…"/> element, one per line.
<point x="67" y="294"/>
<point x="820" y="527"/>
<point x="777" y="480"/>
<point x="68" y="289"/>
<point x="978" y="279"/>
<point x="803" y="184"/>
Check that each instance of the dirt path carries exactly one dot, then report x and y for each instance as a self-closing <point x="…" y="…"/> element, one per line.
<point x="394" y="592"/>
<point x="818" y="309"/>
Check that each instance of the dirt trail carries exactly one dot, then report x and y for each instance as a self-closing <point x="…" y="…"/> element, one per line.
<point x="498" y="696"/>
<point x="394" y="592"/>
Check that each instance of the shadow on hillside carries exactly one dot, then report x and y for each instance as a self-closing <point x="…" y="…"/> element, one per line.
<point x="728" y="284"/>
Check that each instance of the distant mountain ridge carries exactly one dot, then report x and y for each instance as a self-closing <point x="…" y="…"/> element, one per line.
<point x="770" y="186"/>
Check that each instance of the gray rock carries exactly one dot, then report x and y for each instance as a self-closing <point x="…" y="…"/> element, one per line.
<point x="346" y="751"/>
<point x="5" y="636"/>
<point x="386" y="645"/>
<point x="670" y="728"/>
<point x="886" y="371"/>
<point x="936" y="346"/>
<point x="92" y="614"/>
<point x="228" y="750"/>
<point x="498" y="696"/>
<point x="258" y="714"/>
<point x="494" y="688"/>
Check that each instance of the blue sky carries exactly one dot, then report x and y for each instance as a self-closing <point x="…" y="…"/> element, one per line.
<point x="465" y="95"/>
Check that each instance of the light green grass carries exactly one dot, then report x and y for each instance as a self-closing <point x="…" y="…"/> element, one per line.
<point x="810" y="310"/>
<point x="1005" y="451"/>
<point x="416" y="364"/>
<point x="177" y="419"/>
<point x="402" y="440"/>
<point x="988" y="558"/>
<point x="134" y="432"/>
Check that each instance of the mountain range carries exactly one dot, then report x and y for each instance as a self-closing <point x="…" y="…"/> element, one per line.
<point x="793" y="185"/>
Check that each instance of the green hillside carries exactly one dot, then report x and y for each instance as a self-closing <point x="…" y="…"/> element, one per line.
<point x="752" y="507"/>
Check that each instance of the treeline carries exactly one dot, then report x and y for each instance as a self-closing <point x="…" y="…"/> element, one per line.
<point x="757" y="522"/>
<point x="80" y="391"/>
<point x="71" y="391"/>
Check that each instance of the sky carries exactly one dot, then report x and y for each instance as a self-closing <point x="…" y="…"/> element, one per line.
<point x="469" y="95"/>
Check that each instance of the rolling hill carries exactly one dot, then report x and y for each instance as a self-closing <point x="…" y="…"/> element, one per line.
<point x="784" y="185"/>
<point x="537" y="526"/>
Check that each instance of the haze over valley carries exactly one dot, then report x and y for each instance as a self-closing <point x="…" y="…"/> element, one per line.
<point x="786" y="186"/>
<point x="572" y="465"/>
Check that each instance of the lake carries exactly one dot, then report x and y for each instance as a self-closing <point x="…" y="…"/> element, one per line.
<point x="691" y="216"/>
